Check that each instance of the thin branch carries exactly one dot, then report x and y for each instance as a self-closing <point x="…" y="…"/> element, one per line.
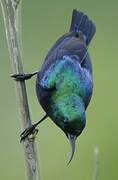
<point x="9" y="9"/>
<point x="97" y="164"/>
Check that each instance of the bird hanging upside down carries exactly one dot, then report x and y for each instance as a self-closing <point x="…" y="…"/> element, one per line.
<point x="64" y="83"/>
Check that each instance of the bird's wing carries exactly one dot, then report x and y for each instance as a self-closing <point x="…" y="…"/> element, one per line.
<point x="49" y="79"/>
<point x="68" y="44"/>
<point x="75" y="42"/>
<point x="58" y="43"/>
<point x="81" y="26"/>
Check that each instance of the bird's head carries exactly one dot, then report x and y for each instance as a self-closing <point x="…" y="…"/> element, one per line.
<point x="73" y="128"/>
<point x="71" y="118"/>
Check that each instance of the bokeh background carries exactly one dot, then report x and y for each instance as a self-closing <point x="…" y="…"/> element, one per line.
<point x="42" y="23"/>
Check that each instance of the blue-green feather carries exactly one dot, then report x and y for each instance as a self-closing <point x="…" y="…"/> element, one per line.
<point x="64" y="85"/>
<point x="72" y="86"/>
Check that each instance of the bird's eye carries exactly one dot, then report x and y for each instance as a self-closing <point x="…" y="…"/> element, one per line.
<point x="66" y="122"/>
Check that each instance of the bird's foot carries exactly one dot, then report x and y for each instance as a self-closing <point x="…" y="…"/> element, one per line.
<point x="31" y="130"/>
<point x="27" y="132"/>
<point x="24" y="76"/>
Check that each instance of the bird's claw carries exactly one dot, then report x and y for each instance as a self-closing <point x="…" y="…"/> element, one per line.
<point x="27" y="132"/>
<point x="23" y="76"/>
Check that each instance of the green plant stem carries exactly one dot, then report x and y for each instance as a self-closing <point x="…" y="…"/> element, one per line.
<point x="97" y="164"/>
<point x="9" y="9"/>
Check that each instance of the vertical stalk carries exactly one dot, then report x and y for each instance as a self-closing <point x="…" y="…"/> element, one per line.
<point x="9" y="9"/>
<point x="97" y="164"/>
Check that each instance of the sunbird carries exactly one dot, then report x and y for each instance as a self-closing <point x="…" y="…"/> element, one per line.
<point x="64" y="84"/>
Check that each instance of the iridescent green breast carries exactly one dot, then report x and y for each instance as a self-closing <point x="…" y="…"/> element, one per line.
<point x="68" y="98"/>
<point x="68" y="77"/>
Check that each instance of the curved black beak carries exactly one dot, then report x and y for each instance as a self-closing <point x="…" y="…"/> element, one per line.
<point x="72" y="140"/>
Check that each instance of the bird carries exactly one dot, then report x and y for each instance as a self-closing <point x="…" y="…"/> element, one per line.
<point x="64" y="83"/>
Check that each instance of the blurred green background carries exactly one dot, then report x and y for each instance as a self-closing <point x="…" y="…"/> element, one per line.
<point x="43" y="22"/>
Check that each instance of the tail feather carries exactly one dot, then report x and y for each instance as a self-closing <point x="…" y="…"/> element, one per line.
<point x="81" y="23"/>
